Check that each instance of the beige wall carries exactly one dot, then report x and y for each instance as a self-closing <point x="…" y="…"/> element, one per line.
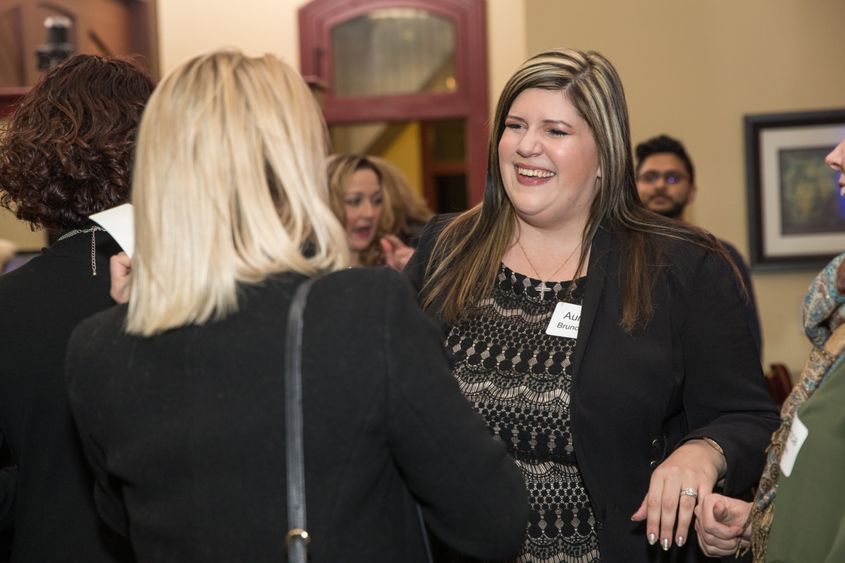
<point x="693" y="69"/>
<point x="189" y="27"/>
<point x="507" y="42"/>
<point x="24" y="238"/>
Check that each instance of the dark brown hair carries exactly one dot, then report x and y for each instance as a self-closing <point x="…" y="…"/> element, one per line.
<point x="66" y="151"/>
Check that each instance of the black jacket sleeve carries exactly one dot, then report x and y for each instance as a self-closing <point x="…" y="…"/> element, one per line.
<point x="8" y="483"/>
<point x="415" y="269"/>
<point x="84" y="405"/>
<point x="472" y="495"/>
<point x="725" y="396"/>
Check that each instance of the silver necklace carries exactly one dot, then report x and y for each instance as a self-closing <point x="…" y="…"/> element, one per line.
<point x="543" y="288"/>
<point x="93" y="230"/>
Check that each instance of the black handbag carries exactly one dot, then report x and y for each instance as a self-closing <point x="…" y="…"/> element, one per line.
<point x="297" y="538"/>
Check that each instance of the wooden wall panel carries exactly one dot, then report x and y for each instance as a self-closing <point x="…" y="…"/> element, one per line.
<point x="102" y="27"/>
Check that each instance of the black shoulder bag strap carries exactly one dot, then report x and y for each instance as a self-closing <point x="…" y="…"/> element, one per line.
<point x="297" y="537"/>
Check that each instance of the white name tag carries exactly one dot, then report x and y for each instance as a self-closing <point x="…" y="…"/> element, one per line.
<point x="565" y="320"/>
<point x="797" y="434"/>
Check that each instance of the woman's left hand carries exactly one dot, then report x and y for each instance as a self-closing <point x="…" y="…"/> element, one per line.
<point x="668" y="506"/>
<point x="396" y="252"/>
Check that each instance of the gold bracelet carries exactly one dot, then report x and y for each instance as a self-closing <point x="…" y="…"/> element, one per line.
<point x="714" y="444"/>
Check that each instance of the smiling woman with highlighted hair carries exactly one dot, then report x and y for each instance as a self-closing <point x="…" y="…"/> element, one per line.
<point x="179" y="396"/>
<point x="603" y="344"/>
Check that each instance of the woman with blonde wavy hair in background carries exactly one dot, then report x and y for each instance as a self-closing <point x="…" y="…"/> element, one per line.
<point x="410" y="213"/>
<point x="179" y="395"/>
<point x="382" y="215"/>
<point x="360" y="204"/>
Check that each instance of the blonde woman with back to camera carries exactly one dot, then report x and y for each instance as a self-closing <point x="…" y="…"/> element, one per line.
<point x="605" y="345"/>
<point x="179" y="395"/>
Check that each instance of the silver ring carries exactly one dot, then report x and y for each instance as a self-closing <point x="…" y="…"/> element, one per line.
<point x="689" y="492"/>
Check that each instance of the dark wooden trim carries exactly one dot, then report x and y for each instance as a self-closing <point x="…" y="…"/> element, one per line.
<point x="141" y="32"/>
<point x="475" y="81"/>
<point x="144" y="33"/>
<point x="429" y="190"/>
<point x="448" y="168"/>
<point x="395" y="108"/>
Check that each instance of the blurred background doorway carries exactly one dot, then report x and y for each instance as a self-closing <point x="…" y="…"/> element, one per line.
<point x="405" y="80"/>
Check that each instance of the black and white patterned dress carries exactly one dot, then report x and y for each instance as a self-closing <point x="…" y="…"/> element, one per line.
<point x="519" y="379"/>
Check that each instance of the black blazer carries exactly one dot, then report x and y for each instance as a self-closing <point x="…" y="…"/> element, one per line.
<point x="185" y="431"/>
<point x="693" y="371"/>
<point x="53" y="511"/>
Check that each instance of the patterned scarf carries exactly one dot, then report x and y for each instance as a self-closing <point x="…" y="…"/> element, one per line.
<point x="824" y="315"/>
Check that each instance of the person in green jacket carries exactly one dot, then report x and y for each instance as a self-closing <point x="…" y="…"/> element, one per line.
<point x="803" y="479"/>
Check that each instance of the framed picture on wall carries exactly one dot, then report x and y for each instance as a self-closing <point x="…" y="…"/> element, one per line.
<point x="796" y="215"/>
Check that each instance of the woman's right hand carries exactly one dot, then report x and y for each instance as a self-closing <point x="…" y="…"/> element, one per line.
<point x="120" y="268"/>
<point x="720" y="524"/>
<point x="396" y="252"/>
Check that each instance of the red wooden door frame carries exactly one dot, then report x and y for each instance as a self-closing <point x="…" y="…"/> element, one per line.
<point x="469" y="101"/>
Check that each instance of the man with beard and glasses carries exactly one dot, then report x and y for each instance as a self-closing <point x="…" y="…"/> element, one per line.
<point x="666" y="184"/>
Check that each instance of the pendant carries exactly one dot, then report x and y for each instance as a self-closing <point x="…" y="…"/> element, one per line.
<point x="542" y="289"/>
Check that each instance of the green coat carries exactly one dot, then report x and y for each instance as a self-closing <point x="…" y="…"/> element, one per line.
<point x="809" y="522"/>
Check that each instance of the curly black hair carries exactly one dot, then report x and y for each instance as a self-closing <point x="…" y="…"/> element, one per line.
<point x="66" y="151"/>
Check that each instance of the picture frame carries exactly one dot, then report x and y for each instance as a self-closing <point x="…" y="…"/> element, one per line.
<point x="796" y="215"/>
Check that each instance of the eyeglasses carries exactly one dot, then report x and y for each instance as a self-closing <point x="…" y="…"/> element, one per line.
<point x="652" y="177"/>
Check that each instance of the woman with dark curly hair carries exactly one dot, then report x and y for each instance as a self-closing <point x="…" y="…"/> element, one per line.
<point x="65" y="153"/>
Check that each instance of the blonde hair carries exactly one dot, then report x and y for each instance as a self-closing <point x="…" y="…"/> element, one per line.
<point x="407" y="206"/>
<point x="229" y="186"/>
<point x="467" y="253"/>
<point x="339" y="170"/>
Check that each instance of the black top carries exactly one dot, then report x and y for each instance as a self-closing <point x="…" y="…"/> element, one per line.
<point x="751" y="315"/>
<point x="53" y="515"/>
<point x="692" y="371"/>
<point x="185" y="431"/>
<point x="519" y="378"/>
